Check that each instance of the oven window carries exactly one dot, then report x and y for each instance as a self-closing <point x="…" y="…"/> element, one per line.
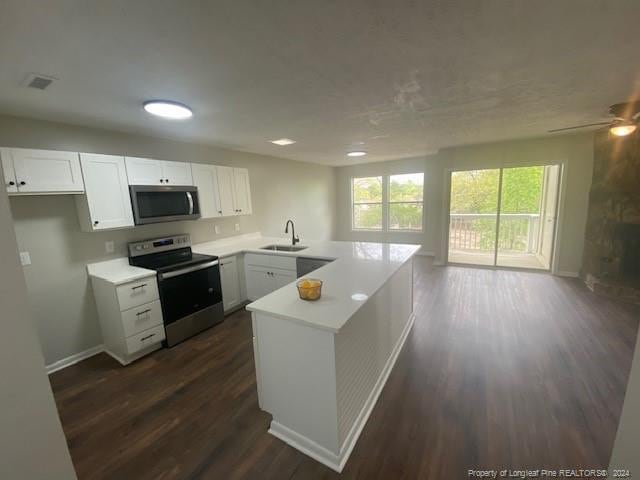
<point x="161" y="204"/>
<point x="189" y="293"/>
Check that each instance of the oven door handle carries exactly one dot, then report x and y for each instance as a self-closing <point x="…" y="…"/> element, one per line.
<point x="182" y="271"/>
<point x="190" y="198"/>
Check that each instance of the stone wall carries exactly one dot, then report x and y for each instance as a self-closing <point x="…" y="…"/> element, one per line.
<point x="613" y="223"/>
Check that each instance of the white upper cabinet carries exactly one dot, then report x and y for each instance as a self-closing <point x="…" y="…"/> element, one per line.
<point x="147" y="171"/>
<point x="225" y="191"/>
<point x="106" y="203"/>
<point x="41" y="171"/>
<point x="241" y="191"/>
<point x="9" y="172"/>
<point x="177" y="173"/>
<point x="144" y="171"/>
<point x="205" y="177"/>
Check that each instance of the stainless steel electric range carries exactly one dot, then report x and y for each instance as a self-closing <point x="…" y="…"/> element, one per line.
<point x="189" y="284"/>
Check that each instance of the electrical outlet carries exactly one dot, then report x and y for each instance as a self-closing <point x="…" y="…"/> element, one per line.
<point x="216" y="228"/>
<point x="25" y="258"/>
<point x="109" y="246"/>
<point x="237" y="227"/>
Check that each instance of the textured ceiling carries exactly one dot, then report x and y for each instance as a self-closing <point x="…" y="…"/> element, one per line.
<point x="396" y="78"/>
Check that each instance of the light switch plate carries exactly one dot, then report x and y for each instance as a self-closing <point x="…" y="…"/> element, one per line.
<point x="237" y="227"/>
<point x="25" y="258"/>
<point x="109" y="246"/>
<point x="217" y="229"/>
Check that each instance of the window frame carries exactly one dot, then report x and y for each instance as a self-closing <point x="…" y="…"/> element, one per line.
<point x="385" y="204"/>
<point x="391" y="202"/>
<point x="381" y="203"/>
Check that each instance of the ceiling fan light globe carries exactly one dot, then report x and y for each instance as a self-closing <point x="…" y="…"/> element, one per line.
<point x="622" y="130"/>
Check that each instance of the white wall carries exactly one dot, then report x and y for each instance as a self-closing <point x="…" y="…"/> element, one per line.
<point x="60" y="296"/>
<point x="625" y="449"/>
<point x="574" y="150"/>
<point x="32" y="444"/>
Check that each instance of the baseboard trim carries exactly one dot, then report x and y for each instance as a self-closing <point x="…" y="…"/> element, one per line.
<point x="73" y="359"/>
<point x="564" y="273"/>
<point x="321" y="454"/>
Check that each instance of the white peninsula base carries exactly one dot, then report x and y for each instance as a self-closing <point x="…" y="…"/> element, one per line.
<point x="320" y="385"/>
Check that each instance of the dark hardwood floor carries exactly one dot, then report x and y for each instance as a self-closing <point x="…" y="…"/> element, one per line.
<point x="502" y="369"/>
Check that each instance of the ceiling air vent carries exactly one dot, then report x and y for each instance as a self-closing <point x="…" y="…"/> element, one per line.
<point x="36" y="80"/>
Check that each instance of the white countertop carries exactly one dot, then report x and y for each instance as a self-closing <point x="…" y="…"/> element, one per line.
<point x="359" y="270"/>
<point x="118" y="271"/>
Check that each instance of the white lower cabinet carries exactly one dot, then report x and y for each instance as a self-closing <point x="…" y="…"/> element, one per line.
<point x="230" y="279"/>
<point x="130" y="317"/>
<point x="266" y="273"/>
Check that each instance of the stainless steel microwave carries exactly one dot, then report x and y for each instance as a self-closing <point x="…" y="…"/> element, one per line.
<point x="155" y="204"/>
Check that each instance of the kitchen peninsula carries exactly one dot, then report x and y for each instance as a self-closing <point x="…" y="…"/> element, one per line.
<point x="320" y="366"/>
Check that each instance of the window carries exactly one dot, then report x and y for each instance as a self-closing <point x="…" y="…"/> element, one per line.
<point x="405" y="201"/>
<point x="389" y="203"/>
<point x="367" y="203"/>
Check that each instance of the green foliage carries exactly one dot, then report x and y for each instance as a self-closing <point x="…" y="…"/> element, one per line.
<point x="367" y="198"/>
<point x="476" y="191"/>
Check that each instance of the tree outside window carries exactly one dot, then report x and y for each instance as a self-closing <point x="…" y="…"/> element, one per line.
<point x="367" y="203"/>
<point x="406" y="202"/>
<point x="402" y="200"/>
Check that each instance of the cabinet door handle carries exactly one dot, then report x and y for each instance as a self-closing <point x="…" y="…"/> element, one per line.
<point x="96" y="222"/>
<point x="166" y="180"/>
<point x="23" y="183"/>
<point x="220" y="212"/>
<point x="139" y="286"/>
<point x="162" y="180"/>
<point x="143" y="312"/>
<point x="12" y="183"/>
<point x="147" y="337"/>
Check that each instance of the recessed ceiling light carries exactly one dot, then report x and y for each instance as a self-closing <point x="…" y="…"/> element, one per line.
<point x="283" y="141"/>
<point x="168" y="109"/>
<point x="357" y="153"/>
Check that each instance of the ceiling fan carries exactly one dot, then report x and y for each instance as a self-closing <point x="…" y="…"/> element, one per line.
<point x="626" y="117"/>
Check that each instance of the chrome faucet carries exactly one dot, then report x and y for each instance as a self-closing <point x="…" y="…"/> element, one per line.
<point x="294" y="239"/>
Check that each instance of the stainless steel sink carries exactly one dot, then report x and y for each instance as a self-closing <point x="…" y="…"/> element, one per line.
<point x="283" y="248"/>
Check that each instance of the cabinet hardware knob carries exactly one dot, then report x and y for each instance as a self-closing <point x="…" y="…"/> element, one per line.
<point x="12" y="183"/>
<point x="220" y="211"/>
<point x="23" y="183"/>
<point x="166" y="180"/>
<point x="162" y="180"/>
<point x="96" y="222"/>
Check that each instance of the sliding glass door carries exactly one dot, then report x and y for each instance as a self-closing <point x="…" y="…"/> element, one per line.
<point x="474" y="216"/>
<point x="503" y="217"/>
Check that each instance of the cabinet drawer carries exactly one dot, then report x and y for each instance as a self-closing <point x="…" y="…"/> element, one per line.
<point x="143" y="317"/>
<point x="271" y="261"/>
<point x="134" y="294"/>
<point x="145" y="339"/>
<point x="285" y="263"/>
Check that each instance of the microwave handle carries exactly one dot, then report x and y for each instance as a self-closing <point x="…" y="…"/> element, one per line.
<point x="190" y="198"/>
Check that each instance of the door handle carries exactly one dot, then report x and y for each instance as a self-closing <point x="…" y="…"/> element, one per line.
<point x="190" y="199"/>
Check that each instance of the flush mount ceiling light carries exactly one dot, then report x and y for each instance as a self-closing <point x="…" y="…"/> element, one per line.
<point x="283" y="142"/>
<point x="623" y="128"/>
<point x="356" y="153"/>
<point x="168" y="109"/>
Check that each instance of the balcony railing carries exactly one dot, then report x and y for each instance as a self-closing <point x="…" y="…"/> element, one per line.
<point x="518" y="232"/>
